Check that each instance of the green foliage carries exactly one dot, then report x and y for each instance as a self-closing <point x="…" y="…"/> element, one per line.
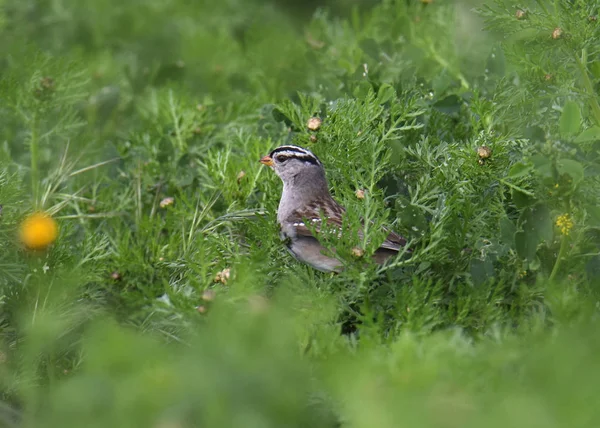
<point x="168" y="298"/>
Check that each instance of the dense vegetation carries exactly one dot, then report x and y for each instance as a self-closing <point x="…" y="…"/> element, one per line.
<point x="472" y="128"/>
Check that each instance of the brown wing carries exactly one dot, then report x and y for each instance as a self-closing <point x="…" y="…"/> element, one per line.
<point x="393" y="242"/>
<point x="333" y="212"/>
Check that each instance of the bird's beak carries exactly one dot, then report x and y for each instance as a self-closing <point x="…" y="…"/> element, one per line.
<point x="266" y="160"/>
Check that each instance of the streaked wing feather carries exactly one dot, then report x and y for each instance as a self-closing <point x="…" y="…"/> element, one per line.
<point x="393" y="242"/>
<point x="333" y="212"/>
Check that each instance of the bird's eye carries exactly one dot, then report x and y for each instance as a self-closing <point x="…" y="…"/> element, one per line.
<point x="282" y="158"/>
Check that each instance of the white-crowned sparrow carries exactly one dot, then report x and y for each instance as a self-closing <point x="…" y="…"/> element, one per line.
<point x="306" y="198"/>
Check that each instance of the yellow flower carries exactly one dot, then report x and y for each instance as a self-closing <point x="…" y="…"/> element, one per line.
<point x="564" y="223"/>
<point x="38" y="231"/>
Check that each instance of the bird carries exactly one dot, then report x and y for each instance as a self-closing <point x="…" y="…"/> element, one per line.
<point x="306" y="199"/>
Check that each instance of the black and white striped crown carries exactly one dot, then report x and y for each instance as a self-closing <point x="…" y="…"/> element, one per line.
<point x="283" y="153"/>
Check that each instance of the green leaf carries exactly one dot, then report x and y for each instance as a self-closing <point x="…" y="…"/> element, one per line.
<point x="595" y="69"/>
<point x="449" y="105"/>
<point x="521" y="199"/>
<point x="481" y="271"/>
<point x="507" y="231"/>
<point x="535" y="264"/>
<point x="593" y="267"/>
<point x="386" y="93"/>
<point x="593" y="215"/>
<point x="570" y="119"/>
<point x="370" y="47"/>
<point x="590" y="134"/>
<point x="543" y="165"/>
<point x="362" y="89"/>
<point x="525" y="34"/>
<point x="526" y="247"/>
<point x="536" y="225"/>
<point x="519" y="169"/>
<point x="541" y="223"/>
<point x="412" y="216"/>
<point x="423" y="266"/>
<point x="570" y="167"/>
<point x="441" y="82"/>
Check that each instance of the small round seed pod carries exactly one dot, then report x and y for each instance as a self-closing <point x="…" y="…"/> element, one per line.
<point x="223" y="276"/>
<point x="484" y="152"/>
<point x="167" y="201"/>
<point x="557" y="33"/>
<point x="314" y="123"/>
<point x="358" y="252"/>
<point x="240" y="175"/>
<point x="47" y="82"/>
<point x="208" y="295"/>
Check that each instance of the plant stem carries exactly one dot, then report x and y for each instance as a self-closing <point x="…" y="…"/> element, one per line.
<point x="587" y="83"/>
<point x="456" y="73"/>
<point x="561" y="253"/>
<point x="512" y="186"/>
<point x="563" y="247"/>
<point x="33" y="150"/>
